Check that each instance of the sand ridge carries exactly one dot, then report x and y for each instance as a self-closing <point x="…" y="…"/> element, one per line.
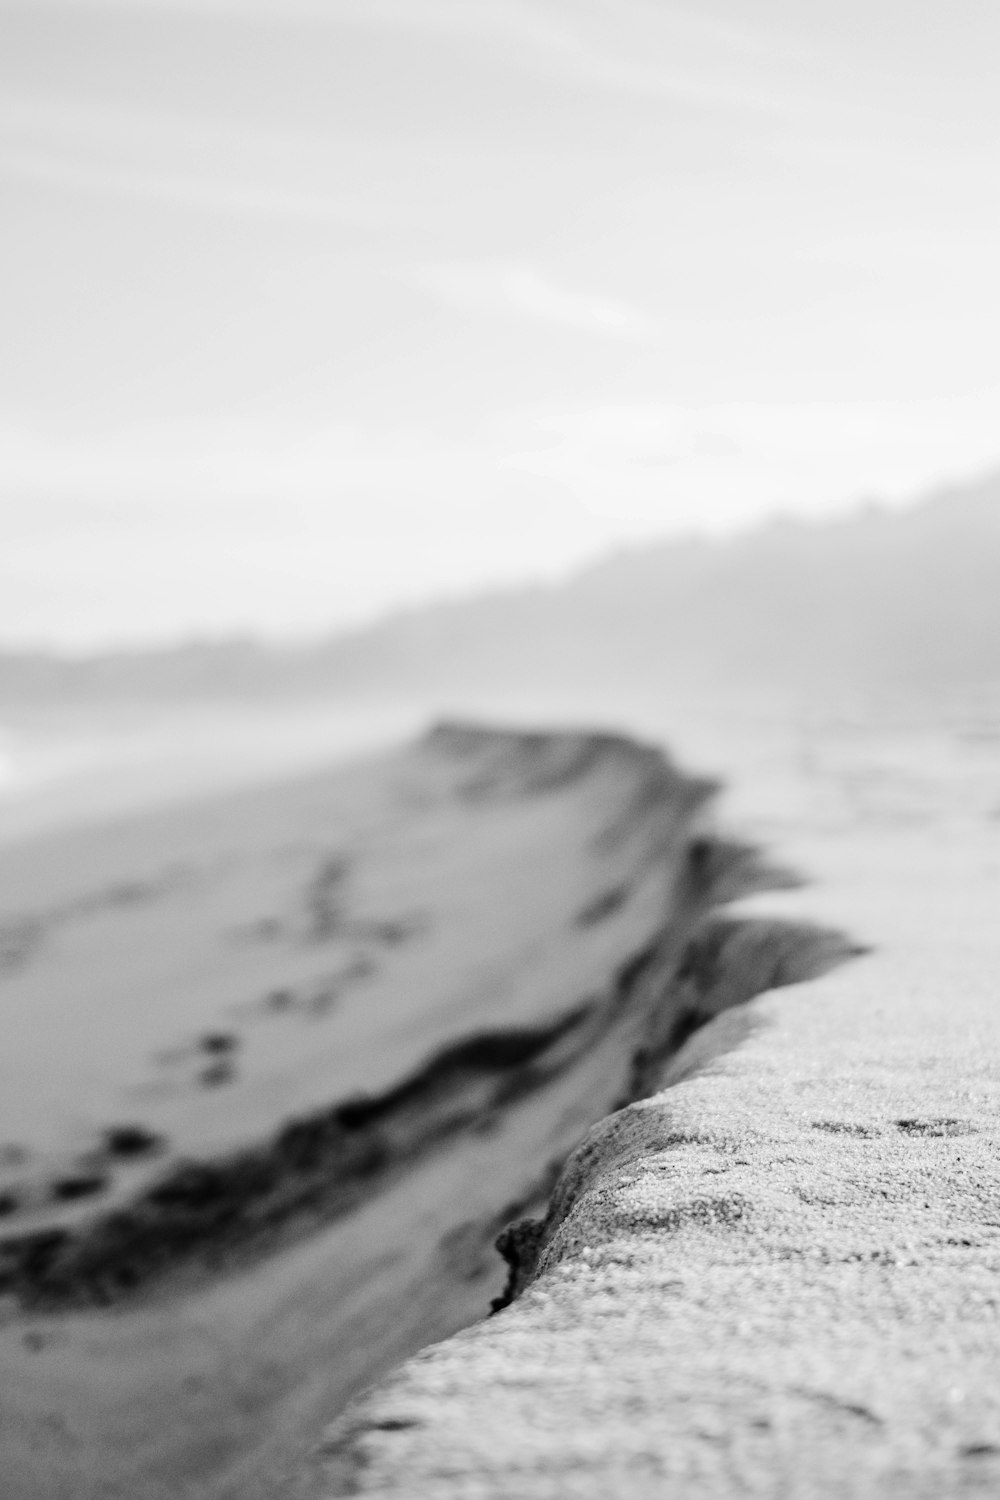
<point x="196" y="1331"/>
<point x="779" y="1275"/>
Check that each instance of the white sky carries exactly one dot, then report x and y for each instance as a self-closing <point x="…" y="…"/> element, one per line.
<point x="309" y="308"/>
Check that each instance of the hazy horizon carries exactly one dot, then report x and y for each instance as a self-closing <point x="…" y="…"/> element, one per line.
<point x="630" y="552"/>
<point x="316" y="311"/>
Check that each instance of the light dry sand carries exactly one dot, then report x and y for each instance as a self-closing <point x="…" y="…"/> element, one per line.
<point x="781" y="1276"/>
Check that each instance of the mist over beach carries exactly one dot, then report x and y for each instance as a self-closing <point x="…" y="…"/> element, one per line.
<point x="499" y="749"/>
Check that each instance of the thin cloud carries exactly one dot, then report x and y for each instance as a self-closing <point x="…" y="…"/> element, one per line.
<point x="513" y="287"/>
<point x="177" y="190"/>
<point x="719" y="465"/>
<point x="620" y="55"/>
<point x="102" y="125"/>
<point x="190" y="163"/>
<point x="553" y="39"/>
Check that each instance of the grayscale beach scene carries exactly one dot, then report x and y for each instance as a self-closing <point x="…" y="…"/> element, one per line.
<point x="499" y="750"/>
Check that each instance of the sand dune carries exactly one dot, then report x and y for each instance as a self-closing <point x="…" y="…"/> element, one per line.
<point x="778" y="1276"/>
<point x="281" y="1065"/>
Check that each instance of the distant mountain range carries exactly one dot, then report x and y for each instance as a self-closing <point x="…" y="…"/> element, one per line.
<point x="879" y="599"/>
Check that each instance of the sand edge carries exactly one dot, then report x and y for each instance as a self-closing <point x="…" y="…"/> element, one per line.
<point x="777" y="1275"/>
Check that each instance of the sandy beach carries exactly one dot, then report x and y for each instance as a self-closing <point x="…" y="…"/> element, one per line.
<point x="499" y="750"/>
<point x="380" y="1005"/>
<point x="414" y="983"/>
<point x="778" y="1275"/>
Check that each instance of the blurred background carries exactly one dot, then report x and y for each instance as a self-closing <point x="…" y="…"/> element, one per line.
<point x="314" y="312"/>
<point x="315" y="308"/>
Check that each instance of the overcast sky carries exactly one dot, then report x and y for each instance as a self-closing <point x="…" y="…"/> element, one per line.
<point x="309" y="308"/>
